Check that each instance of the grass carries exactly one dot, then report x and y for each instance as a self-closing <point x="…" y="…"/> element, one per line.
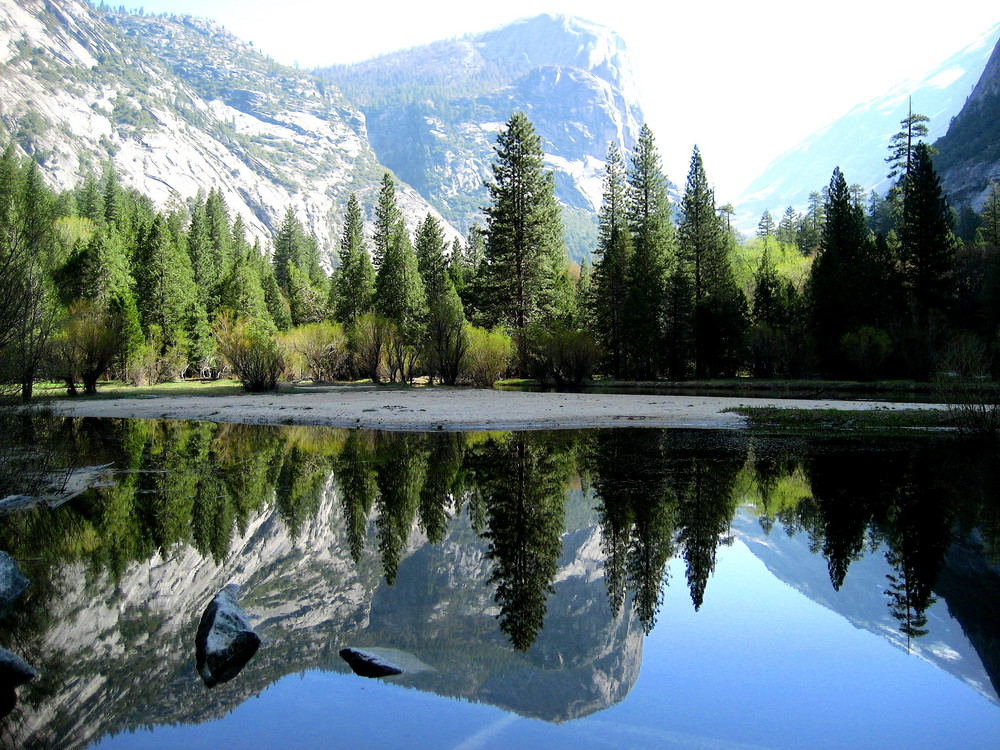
<point x="834" y="420"/>
<point x="114" y="389"/>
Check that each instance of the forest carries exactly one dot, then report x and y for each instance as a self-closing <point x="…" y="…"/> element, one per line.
<point x="101" y="284"/>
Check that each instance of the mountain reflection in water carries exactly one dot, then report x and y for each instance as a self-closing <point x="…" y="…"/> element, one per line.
<point x="519" y="569"/>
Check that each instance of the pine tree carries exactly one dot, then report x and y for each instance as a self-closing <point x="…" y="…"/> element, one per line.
<point x="843" y="287"/>
<point x="903" y="143"/>
<point x="399" y="290"/>
<point x="765" y="227"/>
<point x="654" y="250"/>
<point x="354" y="281"/>
<point x="612" y="269"/>
<point x="989" y="230"/>
<point x="289" y="247"/>
<point x="386" y="217"/>
<point x="524" y="234"/>
<point x="927" y="247"/>
<point x="719" y="306"/>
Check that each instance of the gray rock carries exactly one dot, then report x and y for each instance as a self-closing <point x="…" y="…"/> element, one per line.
<point x="367" y="664"/>
<point x="225" y="641"/>
<point x="12" y="583"/>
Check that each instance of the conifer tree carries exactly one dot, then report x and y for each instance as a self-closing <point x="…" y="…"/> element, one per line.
<point x="612" y="269"/>
<point x="289" y="247"/>
<point x="989" y="228"/>
<point x="654" y="251"/>
<point x="386" y="217"/>
<point x="903" y="143"/>
<point x="399" y="290"/>
<point x="719" y="306"/>
<point x="524" y="234"/>
<point x="842" y="287"/>
<point x="353" y="283"/>
<point x="927" y="247"/>
<point x="446" y="339"/>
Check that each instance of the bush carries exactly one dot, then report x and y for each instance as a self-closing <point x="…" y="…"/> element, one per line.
<point x="866" y="351"/>
<point x="561" y="355"/>
<point x="488" y="356"/>
<point x="252" y="352"/>
<point x="367" y="341"/>
<point x="317" y="351"/>
<point x="972" y="395"/>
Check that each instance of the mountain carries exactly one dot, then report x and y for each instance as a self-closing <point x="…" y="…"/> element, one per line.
<point x="181" y="105"/>
<point x="969" y="153"/>
<point x="858" y="141"/>
<point x="434" y="112"/>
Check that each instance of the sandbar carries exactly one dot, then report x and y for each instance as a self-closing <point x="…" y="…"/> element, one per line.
<point x="437" y="408"/>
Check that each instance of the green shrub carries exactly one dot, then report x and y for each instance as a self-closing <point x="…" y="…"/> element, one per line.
<point x="866" y="351"/>
<point x="252" y="352"/>
<point x="488" y="356"/>
<point x="561" y="355"/>
<point x="318" y="351"/>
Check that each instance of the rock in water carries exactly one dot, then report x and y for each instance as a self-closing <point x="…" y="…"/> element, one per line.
<point x="14" y="671"/>
<point x="12" y="582"/>
<point x="367" y="664"/>
<point x="225" y="641"/>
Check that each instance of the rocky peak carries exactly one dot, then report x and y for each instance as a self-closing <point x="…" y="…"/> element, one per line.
<point x="434" y="112"/>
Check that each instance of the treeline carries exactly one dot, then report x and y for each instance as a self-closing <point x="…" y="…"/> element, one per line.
<point x="99" y="282"/>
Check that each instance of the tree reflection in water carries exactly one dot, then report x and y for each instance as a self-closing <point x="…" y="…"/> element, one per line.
<point x="657" y="494"/>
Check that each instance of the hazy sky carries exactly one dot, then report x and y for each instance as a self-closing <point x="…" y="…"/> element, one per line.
<point x="743" y="80"/>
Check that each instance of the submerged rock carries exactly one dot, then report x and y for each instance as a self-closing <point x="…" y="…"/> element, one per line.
<point x="14" y="671"/>
<point x="12" y="582"/>
<point x="368" y="664"/>
<point x="225" y="641"/>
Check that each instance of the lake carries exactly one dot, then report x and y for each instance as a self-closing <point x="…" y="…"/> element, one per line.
<point x="582" y="589"/>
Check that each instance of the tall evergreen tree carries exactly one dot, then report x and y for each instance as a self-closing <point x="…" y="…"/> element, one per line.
<point x="719" y="306"/>
<point x="654" y="251"/>
<point x="843" y="287"/>
<point x="353" y="283"/>
<point x="612" y="269"/>
<point x="524" y="233"/>
<point x="386" y="217"/>
<point x="446" y="340"/>
<point x="989" y="228"/>
<point x="902" y="145"/>
<point x="399" y="290"/>
<point x="927" y="246"/>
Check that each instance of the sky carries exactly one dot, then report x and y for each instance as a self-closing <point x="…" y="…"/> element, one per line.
<point x="744" y="81"/>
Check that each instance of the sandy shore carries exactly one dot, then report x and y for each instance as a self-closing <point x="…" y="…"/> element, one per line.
<point x="450" y="409"/>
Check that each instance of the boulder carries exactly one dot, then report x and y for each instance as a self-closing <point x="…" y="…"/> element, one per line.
<point x="14" y="671"/>
<point x="12" y="583"/>
<point x="225" y="641"/>
<point x="368" y="664"/>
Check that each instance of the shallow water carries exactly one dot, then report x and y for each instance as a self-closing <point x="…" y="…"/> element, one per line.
<point x="604" y="588"/>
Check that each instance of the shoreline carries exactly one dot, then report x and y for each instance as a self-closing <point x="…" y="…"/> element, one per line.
<point x="452" y="409"/>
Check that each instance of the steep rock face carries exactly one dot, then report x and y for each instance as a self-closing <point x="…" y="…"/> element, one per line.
<point x="858" y="141"/>
<point x="181" y="105"/>
<point x="969" y="153"/>
<point x="434" y="112"/>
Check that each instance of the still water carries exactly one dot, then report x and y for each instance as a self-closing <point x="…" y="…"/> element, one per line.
<point x="579" y="589"/>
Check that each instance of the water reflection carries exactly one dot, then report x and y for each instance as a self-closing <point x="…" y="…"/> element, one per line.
<point x="482" y="542"/>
